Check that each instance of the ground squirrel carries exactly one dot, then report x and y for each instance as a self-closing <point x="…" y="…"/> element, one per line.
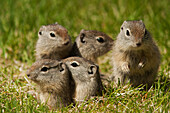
<point x="53" y="42"/>
<point x="91" y="44"/>
<point x="86" y="77"/>
<point x="135" y="55"/>
<point x="53" y="82"/>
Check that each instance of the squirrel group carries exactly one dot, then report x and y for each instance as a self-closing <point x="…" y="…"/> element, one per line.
<point x="66" y="73"/>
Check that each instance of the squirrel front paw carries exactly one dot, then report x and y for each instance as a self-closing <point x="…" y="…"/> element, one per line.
<point x="125" y="67"/>
<point x="141" y="64"/>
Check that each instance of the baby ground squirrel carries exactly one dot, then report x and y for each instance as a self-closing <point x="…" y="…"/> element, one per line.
<point x="53" y="42"/>
<point x="91" y="44"/>
<point x="53" y="82"/>
<point x="86" y="77"/>
<point x="135" y="55"/>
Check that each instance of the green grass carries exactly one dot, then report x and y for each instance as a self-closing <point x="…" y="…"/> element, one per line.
<point x="20" y="21"/>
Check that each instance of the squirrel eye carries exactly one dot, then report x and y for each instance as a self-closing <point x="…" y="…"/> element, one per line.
<point x="82" y="38"/>
<point x="127" y="33"/>
<point x="40" y="33"/>
<point x="52" y="34"/>
<point x="100" y="39"/>
<point x="44" y="69"/>
<point x="74" y="64"/>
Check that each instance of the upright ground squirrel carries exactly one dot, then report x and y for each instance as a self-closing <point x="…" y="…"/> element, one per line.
<point x="135" y="55"/>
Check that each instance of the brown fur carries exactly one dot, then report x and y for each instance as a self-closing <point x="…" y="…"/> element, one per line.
<point x="86" y="77"/>
<point x="53" y="84"/>
<point x="136" y="63"/>
<point x="57" y="47"/>
<point x="89" y="47"/>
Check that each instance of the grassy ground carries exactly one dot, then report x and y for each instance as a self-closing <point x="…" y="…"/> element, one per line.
<point x="20" y="21"/>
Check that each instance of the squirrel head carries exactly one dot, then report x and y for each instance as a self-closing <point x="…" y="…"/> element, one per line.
<point x="81" y="69"/>
<point x="47" y="71"/>
<point x="134" y="34"/>
<point x="93" y="43"/>
<point x="54" y="36"/>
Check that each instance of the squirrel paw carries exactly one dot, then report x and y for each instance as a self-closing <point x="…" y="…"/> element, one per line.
<point x="141" y="65"/>
<point x="125" y="67"/>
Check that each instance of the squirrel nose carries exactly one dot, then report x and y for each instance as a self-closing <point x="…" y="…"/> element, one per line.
<point x="138" y="44"/>
<point x="28" y="75"/>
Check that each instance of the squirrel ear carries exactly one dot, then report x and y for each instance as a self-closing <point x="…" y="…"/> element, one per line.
<point x="61" y="66"/>
<point x="43" y="27"/>
<point x="82" y="30"/>
<point x="56" y="23"/>
<point x="125" y="22"/>
<point x="141" y="21"/>
<point x="93" y="70"/>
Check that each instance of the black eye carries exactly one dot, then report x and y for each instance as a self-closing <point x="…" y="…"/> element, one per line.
<point x="74" y="64"/>
<point x="100" y="39"/>
<point x="82" y="38"/>
<point x="44" y="69"/>
<point x="52" y="34"/>
<point x="127" y="33"/>
<point x="40" y="33"/>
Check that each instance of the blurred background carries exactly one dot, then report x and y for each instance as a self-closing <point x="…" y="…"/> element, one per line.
<point x="20" y="21"/>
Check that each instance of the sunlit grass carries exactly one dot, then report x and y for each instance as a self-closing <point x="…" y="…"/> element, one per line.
<point x="20" y="21"/>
